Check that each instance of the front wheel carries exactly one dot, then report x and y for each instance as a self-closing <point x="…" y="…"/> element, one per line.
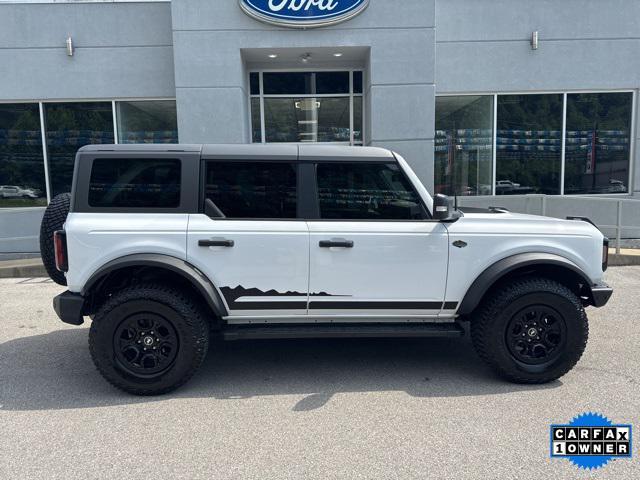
<point x="533" y="330"/>
<point x="149" y="339"/>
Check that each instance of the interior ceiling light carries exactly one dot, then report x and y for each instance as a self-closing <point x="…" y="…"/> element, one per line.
<point x="337" y="54"/>
<point x="273" y="55"/>
<point x="305" y="58"/>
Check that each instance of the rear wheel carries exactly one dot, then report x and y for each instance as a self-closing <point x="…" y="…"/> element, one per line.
<point x="531" y="331"/>
<point x="149" y="339"/>
<point x="54" y="217"/>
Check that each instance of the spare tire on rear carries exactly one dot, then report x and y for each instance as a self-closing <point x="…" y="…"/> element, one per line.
<point x="53" y="219"/>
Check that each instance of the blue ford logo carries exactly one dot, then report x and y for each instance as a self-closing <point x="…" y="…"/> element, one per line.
<point x="303" y="13"/>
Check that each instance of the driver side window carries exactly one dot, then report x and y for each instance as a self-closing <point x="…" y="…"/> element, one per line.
<point x="366" y="191"/>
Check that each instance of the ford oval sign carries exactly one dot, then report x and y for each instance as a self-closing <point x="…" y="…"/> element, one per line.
<point x="303" y="13"/>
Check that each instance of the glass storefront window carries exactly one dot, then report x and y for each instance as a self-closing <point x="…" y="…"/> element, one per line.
<point x="307" y="107"/>
<point x="22" y="180"/>
<point x="464" y="145"/>
<point x="357" y="120"/>
<point x="256" y="133"/>
<point x="315" y="119"/>
<point x="598" y="140"/>
<point x="529" y="144"/>
<point x="149" y="121"/>
<point x="70" y="126"/>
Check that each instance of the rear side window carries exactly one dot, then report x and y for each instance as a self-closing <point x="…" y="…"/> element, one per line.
<point x="135" y="183"/>
<point x="252" y="189"/>
<point x="366" y="191"/>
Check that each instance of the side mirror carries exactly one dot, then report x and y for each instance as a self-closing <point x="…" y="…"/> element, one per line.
<point x="443" y="209"/>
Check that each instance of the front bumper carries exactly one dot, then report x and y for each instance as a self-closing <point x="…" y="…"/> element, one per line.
<point x="601" y="294"/>
<point x="69" y="307"/>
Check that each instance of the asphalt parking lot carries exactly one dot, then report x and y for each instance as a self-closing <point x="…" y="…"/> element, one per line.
<point x="304" y="409"/>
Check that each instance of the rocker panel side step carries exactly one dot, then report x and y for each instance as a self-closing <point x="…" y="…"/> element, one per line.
<point x="342" y="331"/>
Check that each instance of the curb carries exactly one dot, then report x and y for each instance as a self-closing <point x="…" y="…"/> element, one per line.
<point x="623" y="260"/>
<point x="22" y="270"/>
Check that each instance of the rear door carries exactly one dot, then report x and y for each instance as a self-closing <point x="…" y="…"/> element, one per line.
<point x="374" y="252"/>
<point x="258" y="256"/>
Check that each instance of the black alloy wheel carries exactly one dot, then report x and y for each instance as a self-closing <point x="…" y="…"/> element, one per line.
<point x="145" y="344"/>
<point x="536" y="335"/>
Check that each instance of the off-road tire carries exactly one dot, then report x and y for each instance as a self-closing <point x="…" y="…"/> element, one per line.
<point x="177" y="307"/>
<point x="54" y="217"/>
<point x="490" y="324"/>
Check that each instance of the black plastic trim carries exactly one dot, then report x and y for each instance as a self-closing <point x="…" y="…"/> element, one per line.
<point x="343" y="331"/>
<point x="173" y="264"/>
<point x="69" y="307"/>
<point x="601" y="294"/>
<point x="502" y="267"/>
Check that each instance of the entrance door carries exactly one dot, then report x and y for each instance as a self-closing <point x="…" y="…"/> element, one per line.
<point x="373" y="253"/>
<point x="258" y="256"/>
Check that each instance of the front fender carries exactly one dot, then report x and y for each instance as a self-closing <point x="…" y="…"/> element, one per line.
<point x="501" y="268"/>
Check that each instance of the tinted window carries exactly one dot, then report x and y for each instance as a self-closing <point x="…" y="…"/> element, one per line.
<point x="357" y="82"/>
<point x="252" y="189"/>
<point x="286" y="83"/>
<point x="332" y="82"/>
<point x="363" y="191"/>
<point x="135" y="183"/>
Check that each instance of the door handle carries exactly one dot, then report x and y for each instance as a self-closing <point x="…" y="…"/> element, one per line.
<point x="336" y="243"/>
<point x="216" y="242"/>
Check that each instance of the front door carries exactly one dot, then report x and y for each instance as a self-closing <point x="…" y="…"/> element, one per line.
<point x="258" y="256"/>
<point x="373" y="253"/>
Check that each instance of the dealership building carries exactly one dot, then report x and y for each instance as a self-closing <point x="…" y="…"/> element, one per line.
<point x="528" y="105"/>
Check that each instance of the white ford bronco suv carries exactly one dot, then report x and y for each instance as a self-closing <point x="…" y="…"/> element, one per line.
<point x="165" y="246"/>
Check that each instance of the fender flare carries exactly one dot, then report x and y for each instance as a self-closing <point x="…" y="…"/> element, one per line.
<point x="173" y="264"/>
<point x="498" y="270"/>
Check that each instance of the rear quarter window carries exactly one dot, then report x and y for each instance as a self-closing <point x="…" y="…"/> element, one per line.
<point x="135" y="183"/>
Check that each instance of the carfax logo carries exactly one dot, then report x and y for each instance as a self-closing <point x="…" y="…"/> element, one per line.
<point x="590" y="440"/>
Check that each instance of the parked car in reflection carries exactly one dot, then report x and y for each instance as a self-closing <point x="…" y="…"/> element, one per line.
<point x="13" y="191"/>
<point x="508" y="187"/>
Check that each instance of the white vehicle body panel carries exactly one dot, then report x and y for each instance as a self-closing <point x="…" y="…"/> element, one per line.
<point x="95" y="239"/>
<point x="268" y="264"/>
<point x="401" y="265"/>
<point x="491" y="237"/>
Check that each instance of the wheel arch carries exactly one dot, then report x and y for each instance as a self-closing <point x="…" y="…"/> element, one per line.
<point x="548" y="265"/>
<point x="169" y="268"/>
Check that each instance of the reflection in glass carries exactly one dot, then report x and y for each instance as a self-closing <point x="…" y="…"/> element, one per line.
<point x="598" y="142"/>
<point x="357" y="120"/>
<point x="256" y="134"/>
<point x="253" y="190"/>
<point x="135" y="183"/>
<point x="366" y="191"/>
<point x="529" y="144"/>
<point x="69" y="127"/>
<point x="22" y="182"/>
<point x="152" y="121"/>
<point x="464" y="145"/>
<point x="320" y="119"/>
